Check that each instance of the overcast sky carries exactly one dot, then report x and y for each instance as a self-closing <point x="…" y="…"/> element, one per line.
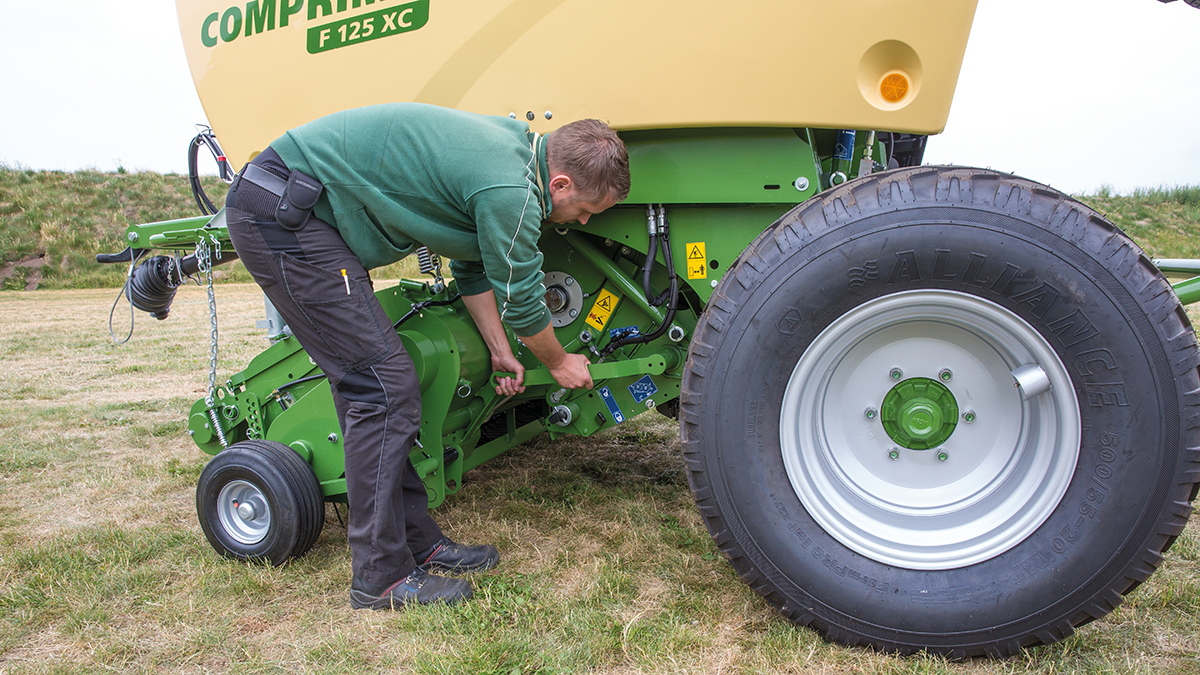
<point x="1074" y="93"/>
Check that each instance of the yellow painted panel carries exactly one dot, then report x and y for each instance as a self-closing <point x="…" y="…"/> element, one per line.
<point x="635" y="63"/>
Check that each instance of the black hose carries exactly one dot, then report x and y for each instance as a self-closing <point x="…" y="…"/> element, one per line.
<point x="663" y="240"/>
<point x="648" y="267"/>
<point x="418" y="306"/>
<point x="206" y="138"/>
<point x="293" y="383"/>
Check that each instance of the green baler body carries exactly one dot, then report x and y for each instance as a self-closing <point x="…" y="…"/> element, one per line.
<point x="721" y="188"/>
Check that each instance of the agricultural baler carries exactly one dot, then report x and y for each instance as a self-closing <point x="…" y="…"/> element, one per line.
<point x="921" y="407"/>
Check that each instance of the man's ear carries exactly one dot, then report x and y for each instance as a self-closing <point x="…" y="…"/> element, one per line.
<point x="560" y="182"/>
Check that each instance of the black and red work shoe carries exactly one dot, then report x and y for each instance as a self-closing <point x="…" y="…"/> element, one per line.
<point x="418" y="587"/>
<point x="451" y="557"/>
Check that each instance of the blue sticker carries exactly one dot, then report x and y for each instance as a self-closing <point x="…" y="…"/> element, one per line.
<point x="612" y="405"/>
<point x="844" y="148"/>
<point x="643" y="389"/>
<point x="627" y="331"/>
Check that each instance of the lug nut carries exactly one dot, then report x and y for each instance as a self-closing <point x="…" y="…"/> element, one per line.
<point x="945" y="375"/>
<point x="896" y="374"/>
<point x="968" y="416"/>
<point x="942" y="456"/>
<point x="871" y="413"/>
<point x="893" y="454"/>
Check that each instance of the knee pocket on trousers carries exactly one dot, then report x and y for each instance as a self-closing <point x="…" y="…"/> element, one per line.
<point x="362" y="387"/>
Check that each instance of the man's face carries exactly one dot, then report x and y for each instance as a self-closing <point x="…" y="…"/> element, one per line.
<point x="569" y="205"/>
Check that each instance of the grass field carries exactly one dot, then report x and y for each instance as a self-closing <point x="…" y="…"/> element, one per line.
<point x="605" y="565"/>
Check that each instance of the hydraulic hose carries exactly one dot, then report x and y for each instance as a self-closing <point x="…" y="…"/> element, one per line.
<point x="206" y="138"/>
<point x="663" y="239"/>
<point x="651" y="253"/>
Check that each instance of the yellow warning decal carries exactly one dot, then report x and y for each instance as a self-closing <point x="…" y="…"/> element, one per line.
<point x="605" y="304"/>
<point x="697" y="261"/>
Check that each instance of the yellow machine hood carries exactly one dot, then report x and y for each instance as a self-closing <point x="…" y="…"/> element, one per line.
<point x="265" y="66"/>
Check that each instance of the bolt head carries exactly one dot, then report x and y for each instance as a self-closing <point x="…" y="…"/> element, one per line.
<point x="713" y="283"/>
<point x="871" y="413"/>
<point x="942" y="456"/>
<point x="896" y="374"/>
<point x="649" y="404"/>
<point x="132" y="236"/>
<point x="894" y="454"/>
<point x="801" y="184"/>
<point x="549" y="114"/>
<point x="529" y="115"/>
<point x="333" y="438"/>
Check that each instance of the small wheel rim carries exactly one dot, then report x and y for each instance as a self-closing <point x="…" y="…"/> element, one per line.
<point x="987" y="487"/>
<point x="243" y="512"/>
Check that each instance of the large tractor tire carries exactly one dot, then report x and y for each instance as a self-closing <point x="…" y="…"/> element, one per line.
<point x="943" y="409"/>
<point x="259" y="501"/>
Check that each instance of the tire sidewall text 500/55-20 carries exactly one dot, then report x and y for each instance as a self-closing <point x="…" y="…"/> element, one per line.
<point x="1044" y="268"/>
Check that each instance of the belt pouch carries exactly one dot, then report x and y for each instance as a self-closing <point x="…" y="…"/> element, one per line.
<point x="298" y="200"/>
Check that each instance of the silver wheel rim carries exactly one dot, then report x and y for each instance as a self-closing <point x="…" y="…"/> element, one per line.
<point x="243" y="511"/>
<point x="986" y="488"/>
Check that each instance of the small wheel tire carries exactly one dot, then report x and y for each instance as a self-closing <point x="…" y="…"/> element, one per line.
<point x="825" y="412"/>
<point x="260" y="501"/>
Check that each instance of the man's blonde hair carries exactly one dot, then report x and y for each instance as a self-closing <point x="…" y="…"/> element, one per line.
<point x="593" y="156"/>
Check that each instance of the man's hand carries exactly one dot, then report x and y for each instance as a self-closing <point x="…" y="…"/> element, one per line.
<point x="568" y="370"/>
<point x="507" y="363"/>
<point x="572" y="372"/>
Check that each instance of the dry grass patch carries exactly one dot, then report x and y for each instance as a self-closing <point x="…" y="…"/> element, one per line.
<point x="606" y="567"/>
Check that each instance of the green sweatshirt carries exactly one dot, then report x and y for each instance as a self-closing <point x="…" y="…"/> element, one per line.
<point x="401" y="175"/>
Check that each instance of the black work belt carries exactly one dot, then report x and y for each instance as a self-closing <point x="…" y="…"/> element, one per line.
<point x="288" y="200"/>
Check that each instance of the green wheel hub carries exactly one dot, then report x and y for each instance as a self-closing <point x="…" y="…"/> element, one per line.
<point x="919" y="413"/>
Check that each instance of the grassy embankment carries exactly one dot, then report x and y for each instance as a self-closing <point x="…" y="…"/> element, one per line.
<point x="606" y="566"/>
<point x="53" y="223"/>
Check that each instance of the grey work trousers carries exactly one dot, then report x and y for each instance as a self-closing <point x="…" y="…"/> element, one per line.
<point x="375" y="388"/>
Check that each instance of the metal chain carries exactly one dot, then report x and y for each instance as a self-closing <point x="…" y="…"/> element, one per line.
<point x="204" y="259"/>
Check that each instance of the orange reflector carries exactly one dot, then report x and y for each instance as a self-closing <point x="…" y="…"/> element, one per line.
<point x="894" y="87"/>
